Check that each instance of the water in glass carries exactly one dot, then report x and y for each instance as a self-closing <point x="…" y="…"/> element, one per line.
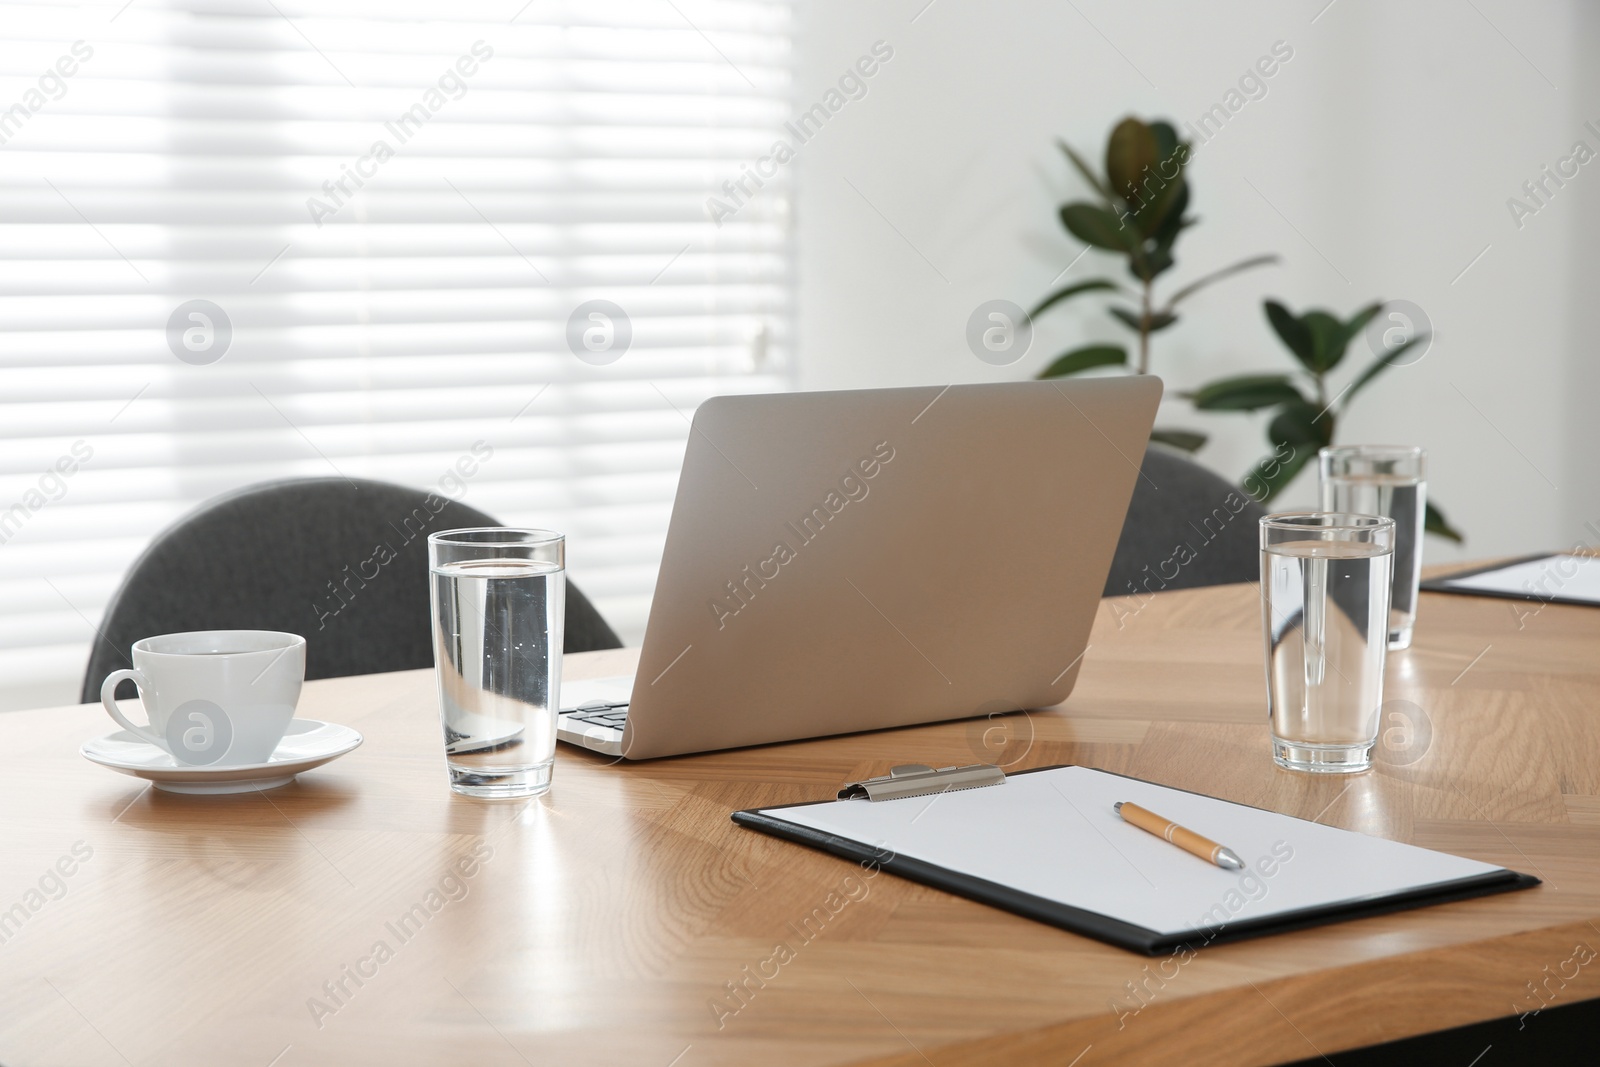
<point x="1326" y="605"/>
<point x="497" y="646"/>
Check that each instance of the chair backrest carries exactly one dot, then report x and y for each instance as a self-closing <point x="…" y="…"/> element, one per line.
<point x="342" y="561"/>
<point x="1186" y="527"/>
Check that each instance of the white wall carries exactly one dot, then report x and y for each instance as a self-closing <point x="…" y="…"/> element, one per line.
<point x="1378" y="164"/>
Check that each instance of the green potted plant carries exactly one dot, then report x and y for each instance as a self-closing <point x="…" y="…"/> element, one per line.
<point x="1305" y="408"/>
<point x="1138" y="216"/>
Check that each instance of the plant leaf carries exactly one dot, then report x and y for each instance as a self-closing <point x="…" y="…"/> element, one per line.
<point x="1172" y="221"/>
<point x="1301" y="428"/>
<point x="1358" y="322"/>
<point x="1098" y="227"/>
<point x="1151" y="214"/>
<point x="1246" y="392"/>
<point x="1183" y="440"/>
<point x="1434" y="522"/>
<point x="1301" y="424"/>
<point x="1167" y="177"/>
<point x="1326" y="346"/>
<point x="1088" y="175"/>
<point x="1217" y="276"/>
<point x="1377" y="367"/>
<point x="1159" y="320"/>
<point x="1081" y="359"/>
<point x="1272" y="474"/>
<point x="1059" y="295"/>
<point x="1131" y="157"/>
<point x="1291" y="331"/>
<point x="1130" y="319"/>
<point x="1166" y="140"/>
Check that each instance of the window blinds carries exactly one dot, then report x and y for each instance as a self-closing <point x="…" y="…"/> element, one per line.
<point x="252" y="239"/>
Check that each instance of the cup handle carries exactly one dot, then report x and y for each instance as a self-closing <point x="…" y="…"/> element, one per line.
<point x="108" y="697"/>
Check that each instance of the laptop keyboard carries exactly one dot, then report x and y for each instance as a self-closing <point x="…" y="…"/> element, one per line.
<point x="599" y="713"/>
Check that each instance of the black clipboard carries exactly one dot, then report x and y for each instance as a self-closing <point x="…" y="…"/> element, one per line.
<point x="1106" y="928"/>
<point x="1442" y="584"/>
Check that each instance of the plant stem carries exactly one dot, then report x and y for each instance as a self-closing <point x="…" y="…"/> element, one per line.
<point x="1144" y="331"/>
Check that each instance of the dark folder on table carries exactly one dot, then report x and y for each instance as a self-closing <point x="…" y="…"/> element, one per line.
<point x="1549" y="577"/>
<point x="1048" y="844"/>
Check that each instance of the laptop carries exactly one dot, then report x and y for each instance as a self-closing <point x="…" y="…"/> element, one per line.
<point x="864" y="559"/>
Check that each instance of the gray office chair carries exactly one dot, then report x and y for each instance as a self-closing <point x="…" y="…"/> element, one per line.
<point x="1186" y="528"/>
<point x="307" y="556"/>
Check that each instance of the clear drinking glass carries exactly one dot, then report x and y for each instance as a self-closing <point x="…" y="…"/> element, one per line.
<point x="1384" y="480"/>
<point x="1325" y="581"/>
<point x="499" y="605"/>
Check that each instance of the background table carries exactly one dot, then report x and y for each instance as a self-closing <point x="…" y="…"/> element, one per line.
<point x="604" y="922"/>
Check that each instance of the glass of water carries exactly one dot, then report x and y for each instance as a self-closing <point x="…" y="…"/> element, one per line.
<point x="499" y="606"/>
<point x="1384" y="480"/>
<point x="1325" y="581"/>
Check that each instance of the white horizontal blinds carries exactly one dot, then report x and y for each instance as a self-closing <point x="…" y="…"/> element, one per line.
<point x="515" y="162"/>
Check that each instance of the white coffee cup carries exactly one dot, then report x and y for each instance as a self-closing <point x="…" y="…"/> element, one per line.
<point x="218" y="698"/>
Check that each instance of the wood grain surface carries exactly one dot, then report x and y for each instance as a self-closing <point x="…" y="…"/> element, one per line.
<point x="365" y="915"/>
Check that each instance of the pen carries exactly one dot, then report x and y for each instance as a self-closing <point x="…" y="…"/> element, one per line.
<point x="1185" y="839"/>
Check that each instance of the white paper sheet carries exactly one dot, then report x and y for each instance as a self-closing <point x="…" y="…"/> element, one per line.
<point x="1055" y="834"/>
<point x="1568" y="577"/>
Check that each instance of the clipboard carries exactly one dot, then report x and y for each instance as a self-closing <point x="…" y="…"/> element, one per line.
<point x="1046" y="844"/>
<point x="1522" y="580"/>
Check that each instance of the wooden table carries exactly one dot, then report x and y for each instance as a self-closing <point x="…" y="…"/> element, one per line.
<point x="603" y="923"/>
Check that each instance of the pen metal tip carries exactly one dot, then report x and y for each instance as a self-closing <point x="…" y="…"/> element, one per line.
<point x="1229" y="860"/>
<point x="1117" y="807"/>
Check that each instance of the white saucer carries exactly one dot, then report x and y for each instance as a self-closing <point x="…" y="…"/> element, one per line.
<point x="307" y="744"/>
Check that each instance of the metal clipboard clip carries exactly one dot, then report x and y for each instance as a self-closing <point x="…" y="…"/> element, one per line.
<point x="920" y="780"/>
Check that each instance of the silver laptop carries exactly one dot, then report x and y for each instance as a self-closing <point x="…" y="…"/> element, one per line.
<point x="863" y="559"/>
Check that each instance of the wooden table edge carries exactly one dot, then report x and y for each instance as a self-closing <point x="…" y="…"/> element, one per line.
<point x="1255" y="1028"/>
